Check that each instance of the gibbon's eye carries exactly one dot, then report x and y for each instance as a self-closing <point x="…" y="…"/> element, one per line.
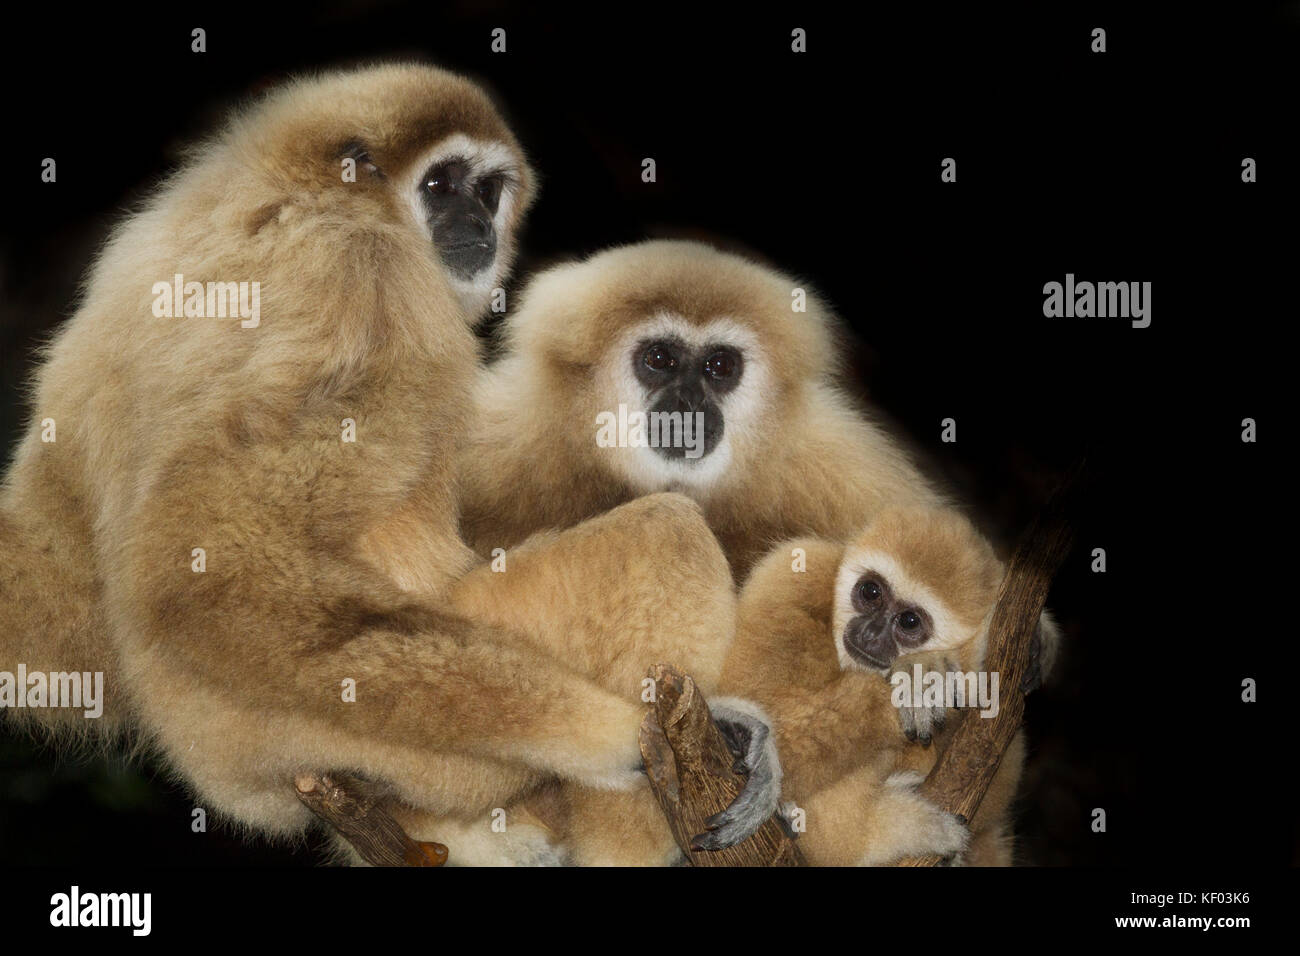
<point x="720" y="364"/>
<point x="489" y="192"/>
<point x="445" y="177"/>
<point x="909" y="620"/>
<point x="658" y="357"/>
<point x="869" y="591"/>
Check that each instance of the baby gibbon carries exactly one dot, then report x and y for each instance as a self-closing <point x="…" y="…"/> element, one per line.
<point x="813" y="647"/>
<point x="764" y="438"/>
<point x="820" y="625"/>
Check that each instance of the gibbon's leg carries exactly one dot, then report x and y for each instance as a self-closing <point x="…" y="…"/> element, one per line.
<point x="866" y="821"/>
<point x="643" y="584"/>
<point x="360" y="676"/>
<point x="618" y="828"/>
<point x="426" y="685"/>
<point x="563" y="589"/>
<point x="513" y="838"/>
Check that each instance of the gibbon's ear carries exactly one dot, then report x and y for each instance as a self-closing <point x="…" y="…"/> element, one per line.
<point x="357" y="151"/>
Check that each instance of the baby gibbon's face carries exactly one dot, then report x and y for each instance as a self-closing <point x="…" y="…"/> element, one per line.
<point x="885" y="624"/>
<point x="918" y="579"/>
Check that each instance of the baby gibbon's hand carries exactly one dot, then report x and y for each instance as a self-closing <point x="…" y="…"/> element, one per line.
<point x="746" y="729"/>
<point x="923" y="723"/>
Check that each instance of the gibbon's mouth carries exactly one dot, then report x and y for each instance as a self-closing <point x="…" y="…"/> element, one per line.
<point x="678" y="453"/>
<point x="690" y="445"/>
<point x="862" y="657"/>
<point x="468" y="259"/>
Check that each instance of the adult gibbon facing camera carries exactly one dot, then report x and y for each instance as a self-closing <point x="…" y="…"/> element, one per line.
<point x="675" y="327"/>
<point x="240" y="513"/>
<point x="763" y="437"/>
<point x="670" y="328"/>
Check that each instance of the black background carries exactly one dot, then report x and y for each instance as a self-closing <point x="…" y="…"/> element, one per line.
<point x="1122" y="166"/>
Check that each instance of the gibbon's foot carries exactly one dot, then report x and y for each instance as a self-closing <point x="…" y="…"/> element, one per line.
<point x="746" y="730"/>
<point x="922" y="724"/>
<point x="914" y="826"/>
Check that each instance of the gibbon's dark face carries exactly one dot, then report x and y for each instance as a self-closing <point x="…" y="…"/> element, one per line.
<point x="681" y="378"/>
<point x="461" y="205"/>
<point x="883" y="625"/>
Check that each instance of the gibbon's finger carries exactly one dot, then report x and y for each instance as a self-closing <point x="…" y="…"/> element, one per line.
<point x="749" y="811"/>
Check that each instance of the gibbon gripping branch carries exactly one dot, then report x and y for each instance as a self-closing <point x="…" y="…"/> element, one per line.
<point x="690" y="767"/>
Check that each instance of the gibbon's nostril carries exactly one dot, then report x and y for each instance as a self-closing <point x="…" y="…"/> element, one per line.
<point x="690" y="398"/>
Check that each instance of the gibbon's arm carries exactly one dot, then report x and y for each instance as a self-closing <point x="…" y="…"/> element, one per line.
<point x="280" y="618"/>
<point x="426" y="683"/>
<point x="449" y="685"/>
<point x="283" y="615"/>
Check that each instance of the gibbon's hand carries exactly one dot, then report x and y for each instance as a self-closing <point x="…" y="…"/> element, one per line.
<point x="746" y="729"/>
<point x="922" y="724"/>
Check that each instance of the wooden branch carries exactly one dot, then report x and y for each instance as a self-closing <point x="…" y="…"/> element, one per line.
<point x="963" y="772"/>
<point x="689" y="766"/>
<point x="352" y="807"/>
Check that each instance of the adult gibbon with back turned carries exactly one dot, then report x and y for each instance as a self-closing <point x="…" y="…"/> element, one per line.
<point x="251" y="526"/>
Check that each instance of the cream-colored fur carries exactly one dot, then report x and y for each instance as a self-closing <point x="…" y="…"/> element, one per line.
<point x="845" y="763"/>
<point x="798" y="456"/>
<point x="326" y="561"/>
<point x="801" y="457"/>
